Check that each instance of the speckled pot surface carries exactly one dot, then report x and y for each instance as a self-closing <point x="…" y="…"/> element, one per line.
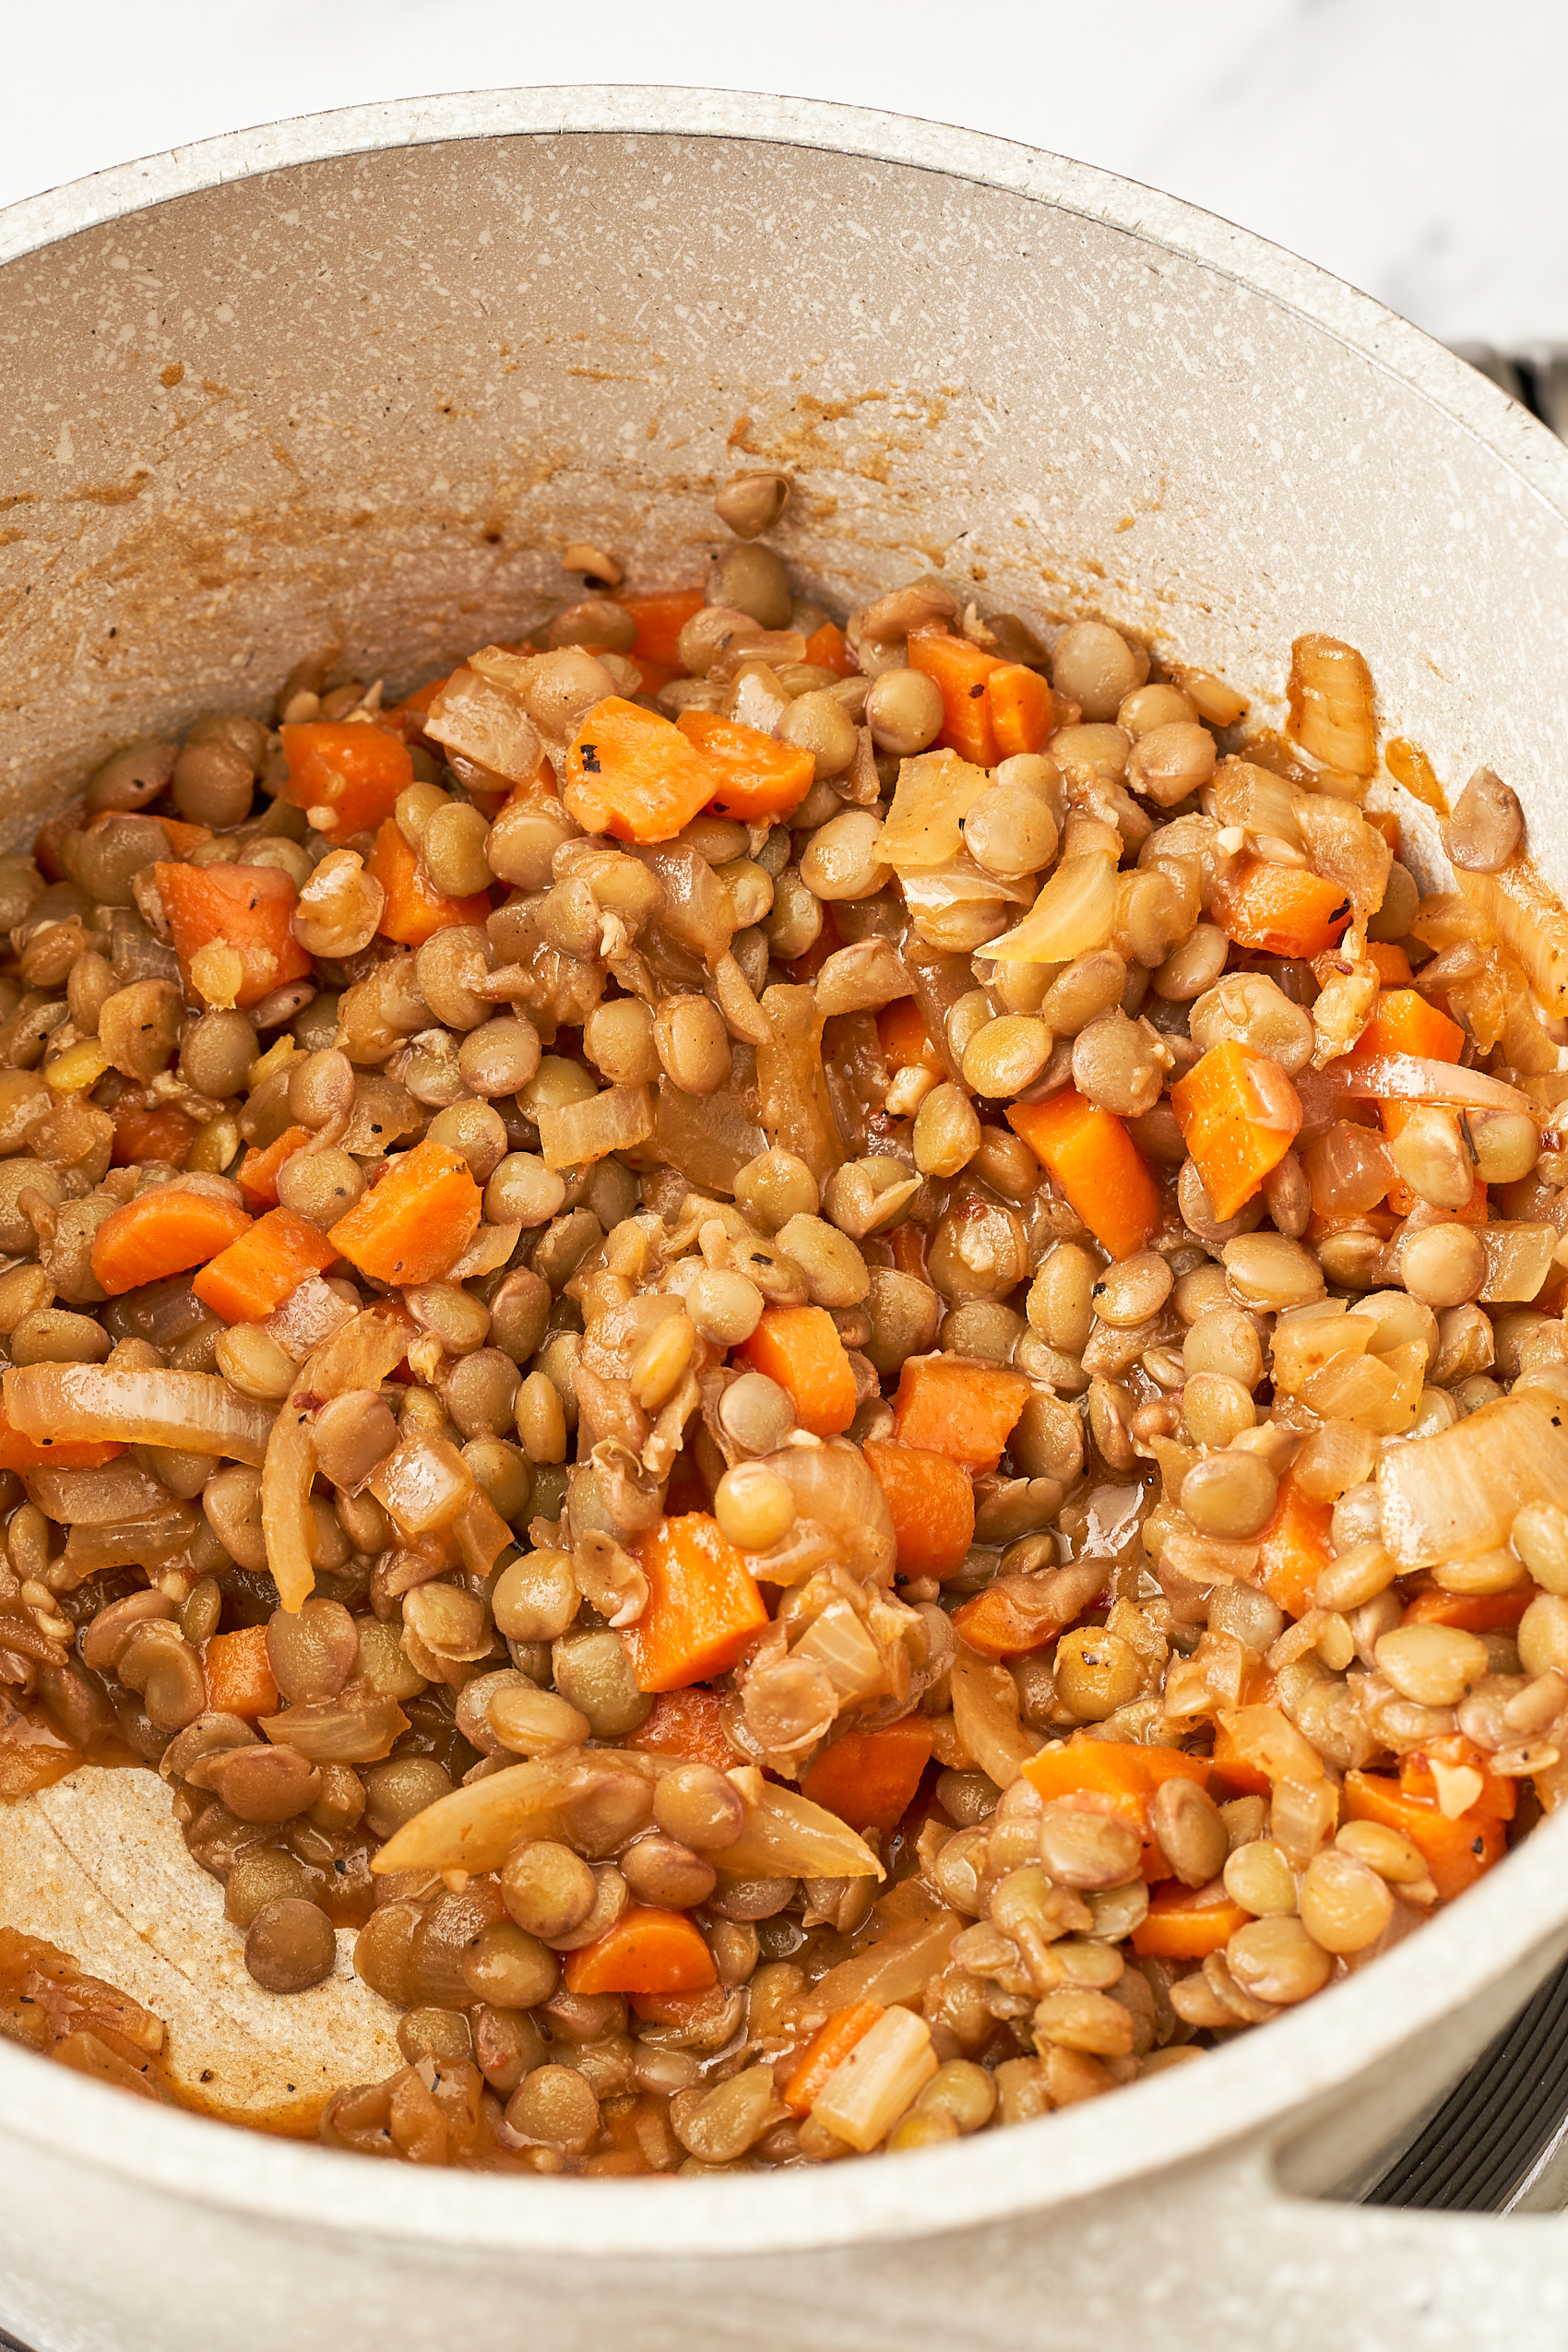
<point x="356" y="380"/>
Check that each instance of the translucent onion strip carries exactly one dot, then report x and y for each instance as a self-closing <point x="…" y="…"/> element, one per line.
<point x="1072" y="914"/>
<point x="359" y="1355"/>
<point x="1460" y="1490"/>
<point x="196" y="1412"/>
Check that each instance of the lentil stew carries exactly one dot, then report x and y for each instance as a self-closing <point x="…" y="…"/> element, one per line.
<point x="822" y="1361"/>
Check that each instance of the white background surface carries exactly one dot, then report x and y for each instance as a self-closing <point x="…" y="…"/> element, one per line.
<point x="1415" y="147"/>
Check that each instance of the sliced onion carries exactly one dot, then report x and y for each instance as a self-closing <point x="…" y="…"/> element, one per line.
<point x="101" y="1498"/>
<point x="148" y="1542"/>
<point x="486" y="1254"/>
<point x="422" y="1484"/>
<point x="1072" y="914"/>
<point x="1523" y="914"/>
<point x="485" y="721"/>
<point x="709" y="1137"/>
<point x="1460" y="1490"/>
<point x="359" y="1728"/>
<point x="985" y="1715"/>
<point x="307" y="1318"/>
<point x="839" y="1501"/>
<point x="616" y="1119"/>
<point x="477" y="1825"/>
<point x="924" y="826"/>
<point x="897" y="1967"/>
<point x="196" y="1412"/>
<point x="796" y="1108"/>
<point x="359" y="1355"/>
<point x="1380" y="1393"/>
<point x="786" y="1837"/>
<point x="1391" y="1078"/>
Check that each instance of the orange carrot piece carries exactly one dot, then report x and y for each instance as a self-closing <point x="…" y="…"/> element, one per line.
<point x="162" y="1232"/>
<point x="1455" y="1852"/>
<point x="1119" y="1769"/>
<point x="256" y="1274"/>
<point x="661" y="619"/>
<point x="704" y="1607"/>
<point x="1403" y="1022"/>
<point x="415" y="909"/>
<point x="1280" y="910"/>
<point x="687" y="1723"/>
<point x="1239" y="1116"/>
<point x="239" y="1674"/>
<point x="1188" y="1923"/>
<point x="1498" y="1798"/>
<point x="947" y="1405"/>
<point x="1293" y="1549"/>
<point x="21" y="1453"/>
<point x="646" y="1951"/>
<point x="632" y="773"/>
<point x="906" y="1042"/>
<point x="418" y="702"/>
<point x="829" y="650"/>
<point x="1021" y="707"/>
<point x="1090" y="1156"/>
<point x="350" y="774"/>
<point x="758" y="778"/>
<point x="799" y="1347"/>
<point x="257" y="1175"/>
<point x="869" y="1778"/>
<point x="245" y="907"/>
<point x="166" y="1134"/>
<point x="1400" y="1199"/>
<point x="932" y="1504"/>
<point x="1000" y="1624"/>
<point x="416" y="1221"/>
<point x="1472" y="1612"/>
<point x="827" y="2050"/>
<point x="182" y="838"/>
<point x="960" y="671"/>
<point x="1393" y="963"/>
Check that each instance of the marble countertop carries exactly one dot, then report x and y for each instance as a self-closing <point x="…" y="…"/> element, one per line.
<point x="1413" y="146"/>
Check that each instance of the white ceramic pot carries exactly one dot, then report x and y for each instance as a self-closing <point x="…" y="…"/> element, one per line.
<point x="355" y="379"/>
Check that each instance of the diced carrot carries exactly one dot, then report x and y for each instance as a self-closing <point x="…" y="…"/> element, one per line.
<point x="414" y="1223"/>
<point x="869" y="1778"/>
<point x="418" y="702"/>
<point x="702" y="1609"/>
<point x="646" y="1951"/>
<point x="1188" y="1923"/>
<point x="932" y="1504"/>
<point x="257" y="1175"/>
<point x="1232" y="1773"/>
<point x="256" y="1274"/>
<point x="1472" y="1612"/>
<point x="1021" y="707"/>
<point x="1119" y="1772"/>
<point x="651" y="674"/>
<point x="905" y="1040"/>
<point x="1239" y="1116"/>
<point x="827" y="2050"/>
<point x="162" y="1232"/>
<point x="1293" y="1549"/>
<point x="1091" y="1157"/>
<point x="1000" y="1624"/>
<point x="166" y="1134"/>
<point x="182" y="838"/>
<point x="687" y="1723"/>
<point x="1393" y="963"/>
<point x="1403" y="1022"/>
<point x="1496" y="1800"/>
<point x="757" y="778"/>
<point x="828" y="648"/>
<point x="415" y="909"/>
<point x="799" y="1347"/>
<point x="661" y="619"/>
<point x="960" y="671"/>
<point x="239" y="1674"/>
<point x="1401" y="1200"/>
<point x="947" y="1405"/>
<point x="20" y="1453"/>
<point x="349" y="775"/>
<point x="1280" y="910"/>
<point x="245" y="907"/>
<point x="1455" y="1852"/>
<point x="632" y="773"/>
<point x="1129" y="1774"/>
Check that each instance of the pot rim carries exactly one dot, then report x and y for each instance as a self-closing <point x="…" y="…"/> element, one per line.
<point x="1243" y="2092"/>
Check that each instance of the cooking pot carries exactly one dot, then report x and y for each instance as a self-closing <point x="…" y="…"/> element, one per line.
<point x="356" y="381"/>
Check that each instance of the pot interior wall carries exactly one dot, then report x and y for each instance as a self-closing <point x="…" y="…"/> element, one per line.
<point x="365" y="401"/>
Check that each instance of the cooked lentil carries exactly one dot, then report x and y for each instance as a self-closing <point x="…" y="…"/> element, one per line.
<point x="836" y="1470"/>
